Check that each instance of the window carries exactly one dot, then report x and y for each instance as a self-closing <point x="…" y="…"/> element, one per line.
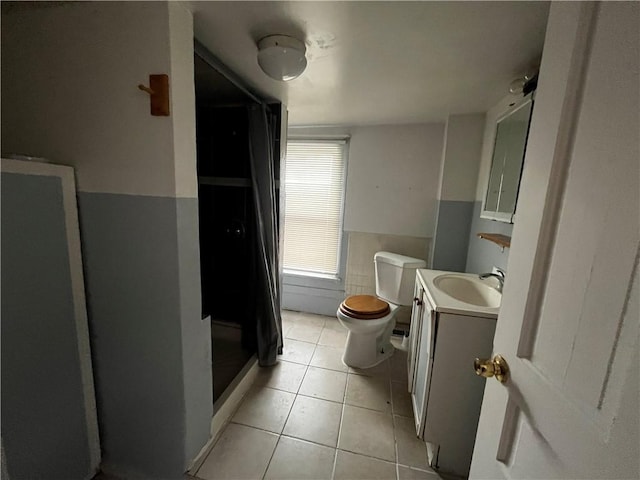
<point x="314" y="197"/>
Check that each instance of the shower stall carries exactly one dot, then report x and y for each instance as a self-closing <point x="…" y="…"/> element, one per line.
<point x="227" y="238"/>
<point x="232" y="253"/>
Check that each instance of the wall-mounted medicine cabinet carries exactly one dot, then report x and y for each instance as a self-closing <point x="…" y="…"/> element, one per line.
<point x="510" y="142"/>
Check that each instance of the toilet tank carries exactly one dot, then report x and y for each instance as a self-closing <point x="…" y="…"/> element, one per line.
<point x="396" y="276"/>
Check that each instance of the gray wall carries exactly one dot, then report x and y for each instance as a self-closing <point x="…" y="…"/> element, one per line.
<point x="458" y="179"/>
<point x="196" y="333"/>
<point x="132" y="255"/>
<point x="136" y="175"/>
<point x="451" y="240"/>
<point x="43" y="410"/>
<point x="483" y="254"/>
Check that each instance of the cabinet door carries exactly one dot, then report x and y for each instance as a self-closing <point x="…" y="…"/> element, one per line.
<point x="414" y="332"/>
<point x="424" y="362"/>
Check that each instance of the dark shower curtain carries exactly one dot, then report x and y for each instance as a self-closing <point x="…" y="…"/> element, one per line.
<point x="261" y="159"/>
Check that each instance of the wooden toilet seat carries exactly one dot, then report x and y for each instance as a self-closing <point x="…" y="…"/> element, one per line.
<point x="364" y="307"/>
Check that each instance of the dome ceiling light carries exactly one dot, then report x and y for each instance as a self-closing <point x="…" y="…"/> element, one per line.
<point x="282" y="57"/>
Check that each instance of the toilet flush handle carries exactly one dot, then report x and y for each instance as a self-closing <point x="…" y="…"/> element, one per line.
<point x="418" y="301"/>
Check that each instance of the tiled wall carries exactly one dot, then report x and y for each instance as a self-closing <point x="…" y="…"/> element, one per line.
<point x="360" y="277"/>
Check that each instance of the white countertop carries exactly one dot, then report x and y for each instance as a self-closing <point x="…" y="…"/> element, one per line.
<point x="441" y="302"/>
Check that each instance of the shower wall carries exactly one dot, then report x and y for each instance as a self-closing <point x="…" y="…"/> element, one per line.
<point x="226" y="211"/>
<point x="227" y="238"/>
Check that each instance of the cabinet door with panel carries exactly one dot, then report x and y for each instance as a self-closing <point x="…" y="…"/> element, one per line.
<point x="446" y="394"/>
<point x="414" y="333"/>
<point x="423" y="364"/>
<point x="455" y="395"/>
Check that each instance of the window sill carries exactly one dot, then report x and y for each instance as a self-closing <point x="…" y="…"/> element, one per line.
<point x="312" y="280"/>
<point x="299" y="273"/>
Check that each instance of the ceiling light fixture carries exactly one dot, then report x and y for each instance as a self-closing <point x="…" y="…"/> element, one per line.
<point x="282" y="57"/>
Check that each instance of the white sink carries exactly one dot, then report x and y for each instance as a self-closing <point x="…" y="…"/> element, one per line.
<point x="469" y="290"/>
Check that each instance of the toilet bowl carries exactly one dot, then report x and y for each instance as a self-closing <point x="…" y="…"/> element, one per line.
<point x="370" y="322"/>
<point x="370" y="319"/>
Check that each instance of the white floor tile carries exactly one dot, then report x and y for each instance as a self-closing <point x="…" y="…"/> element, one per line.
<point x="367" y="432"/>
<point x="332" y="323"/>
<point x="373" y="426"/>
<point x="324" y="384"/>
<point x="288" y="321"/>
<point x="314" y="420"/>
<point x="297" y="460"/>
<point x="328" y="357"/>
<point x="289" y="315"/>
<point x="310" y="319"/>
<point x="305" y="333"/>
<point x="412" y="451"/>
<point x="333" y="338"/>
<point x="265" y="408"/>
<point x="283" y="376"/>
<point x="380" y="370"/>
<point x="351" y="466"/>
<point x="398" y="366"/>
<point x="401" y="400"/>
<point x="407" y="473"/>
<point x="241" y="453"/>
<point x="286" y="326"/>
<point x="369" y="392"/>
<point x="297" y="352"/>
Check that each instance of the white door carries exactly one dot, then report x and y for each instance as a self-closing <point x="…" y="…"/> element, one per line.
<point x="569" y="322"/>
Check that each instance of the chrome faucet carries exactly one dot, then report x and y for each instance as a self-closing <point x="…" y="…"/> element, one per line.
<point x="498" y="274"/>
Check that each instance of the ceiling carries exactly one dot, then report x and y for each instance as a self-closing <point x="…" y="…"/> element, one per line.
<point x="381" y="62"/>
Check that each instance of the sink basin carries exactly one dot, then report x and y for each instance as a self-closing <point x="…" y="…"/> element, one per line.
<point x="470" y="290"/>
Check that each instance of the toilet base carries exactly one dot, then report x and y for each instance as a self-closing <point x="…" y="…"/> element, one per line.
<point x="366" y="350"/>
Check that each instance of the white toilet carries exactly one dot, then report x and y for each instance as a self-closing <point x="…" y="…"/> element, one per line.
<point x="370" y="320"/>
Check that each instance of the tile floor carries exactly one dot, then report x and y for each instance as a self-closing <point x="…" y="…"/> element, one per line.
<point x="311" y="417"/>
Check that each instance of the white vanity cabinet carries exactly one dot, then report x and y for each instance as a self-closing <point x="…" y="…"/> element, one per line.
<point x="446" y="336"/>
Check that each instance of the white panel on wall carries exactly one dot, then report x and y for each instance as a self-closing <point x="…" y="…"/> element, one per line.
<point x="392" y="179"/>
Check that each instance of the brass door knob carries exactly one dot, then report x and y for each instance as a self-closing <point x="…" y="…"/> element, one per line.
<point x="496" y="367"/>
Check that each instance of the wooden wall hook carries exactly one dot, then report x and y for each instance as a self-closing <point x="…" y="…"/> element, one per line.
<point x="144" y="88"/>
<point x="158" y="91"/>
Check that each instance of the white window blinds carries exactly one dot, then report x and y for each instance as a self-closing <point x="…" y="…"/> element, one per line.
<point x="314" y="195"/>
